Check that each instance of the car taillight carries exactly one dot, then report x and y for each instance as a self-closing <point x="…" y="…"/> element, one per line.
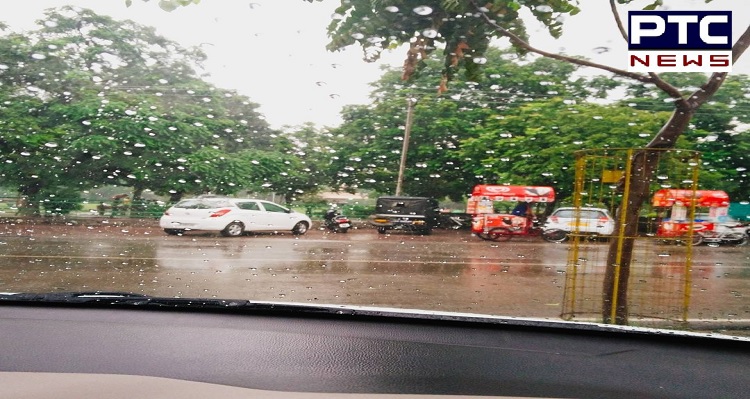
<point x="553" y="219"/>
<point x="220" y="212"/>
<point x="603" y="220"/>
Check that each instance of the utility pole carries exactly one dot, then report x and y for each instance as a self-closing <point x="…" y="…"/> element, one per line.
<point x="407" y="131"/>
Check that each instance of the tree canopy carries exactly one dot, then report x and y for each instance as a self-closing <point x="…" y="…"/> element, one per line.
<point x="89" y="101"/>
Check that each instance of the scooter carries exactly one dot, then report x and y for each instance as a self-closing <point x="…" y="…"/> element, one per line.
<point x="336" y="222"/>
<point x="727" y="234"/>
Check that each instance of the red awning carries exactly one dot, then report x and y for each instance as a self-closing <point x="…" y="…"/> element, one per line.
<point x="704" y="198"/>
<point x="495" y="192"/>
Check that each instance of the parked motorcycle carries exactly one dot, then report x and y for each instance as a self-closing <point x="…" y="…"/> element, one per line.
<point x="454" y="221"/>
<point x="724" y="234"/>
<point x="336" y="222"/>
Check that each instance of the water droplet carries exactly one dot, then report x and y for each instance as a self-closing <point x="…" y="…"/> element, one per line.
<point x="423" y="10"/>
<point x="431" y="33"/>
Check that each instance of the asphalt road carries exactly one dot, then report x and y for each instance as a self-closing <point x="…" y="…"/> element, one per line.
<point x="447" y="271"/>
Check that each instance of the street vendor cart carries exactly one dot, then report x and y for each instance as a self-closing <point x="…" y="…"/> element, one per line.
<point x="501" y="212"/>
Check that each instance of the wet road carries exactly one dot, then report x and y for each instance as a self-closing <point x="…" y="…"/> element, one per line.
<point x="449" y="271"/>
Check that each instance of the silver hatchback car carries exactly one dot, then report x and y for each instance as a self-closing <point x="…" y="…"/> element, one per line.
<point x="232" y="217"/>
<point x="589" y="221"/>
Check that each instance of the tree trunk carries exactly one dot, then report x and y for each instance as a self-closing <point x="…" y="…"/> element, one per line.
<point x="137" y="192"/>
<point x="637" y="191"/>
<point x="28" y="203"/>
<point x="175" y="197"/>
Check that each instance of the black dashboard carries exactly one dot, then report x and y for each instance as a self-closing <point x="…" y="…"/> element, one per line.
<point x="362" y="353"/>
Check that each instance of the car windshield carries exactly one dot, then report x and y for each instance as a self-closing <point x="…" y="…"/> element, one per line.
<point x="191" y="149"/>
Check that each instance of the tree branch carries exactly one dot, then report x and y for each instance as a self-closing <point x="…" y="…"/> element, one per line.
<point x="666" y="87"/>
<point x="717" y="79"/>
<point x="618" y="20"/>
<point x="741" y="45"/>
<point x="516" y="40"/>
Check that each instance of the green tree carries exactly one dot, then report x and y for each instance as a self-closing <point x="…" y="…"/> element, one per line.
<point x="93" y="101"/>
<point x="536" y="143"/>
<point x="372" y="135"/>
<point x="715" y="130"/>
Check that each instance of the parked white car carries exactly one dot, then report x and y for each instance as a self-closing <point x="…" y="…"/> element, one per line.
<point x="590" y="221"/>
<point x="232" y="217"/>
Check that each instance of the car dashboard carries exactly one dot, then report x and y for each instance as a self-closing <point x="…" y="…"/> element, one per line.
<point x="274" y="351"/>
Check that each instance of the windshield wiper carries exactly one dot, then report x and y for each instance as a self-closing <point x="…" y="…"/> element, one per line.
<point x="126" y="299"/>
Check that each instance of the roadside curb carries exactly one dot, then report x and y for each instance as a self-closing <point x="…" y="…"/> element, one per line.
<point x="80" y="221"/>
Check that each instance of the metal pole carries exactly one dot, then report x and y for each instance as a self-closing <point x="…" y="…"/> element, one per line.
<point x="407" y="131"/>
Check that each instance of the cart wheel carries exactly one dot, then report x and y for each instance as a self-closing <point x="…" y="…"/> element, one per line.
<point x="483" y="236"/>
<point x="500" y="234"/>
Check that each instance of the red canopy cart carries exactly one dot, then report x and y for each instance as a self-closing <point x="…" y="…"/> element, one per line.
<point x="674" y="209"/>
<point x="491" y="223"/>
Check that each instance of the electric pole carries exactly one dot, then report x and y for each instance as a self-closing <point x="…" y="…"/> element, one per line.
<point x="407" y="131"/>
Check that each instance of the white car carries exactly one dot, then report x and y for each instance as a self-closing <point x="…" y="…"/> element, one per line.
<point x="590" y="221"/>
<point x="232" y="217"/>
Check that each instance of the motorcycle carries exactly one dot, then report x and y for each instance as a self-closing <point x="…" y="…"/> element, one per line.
<point x="726" y="234"/>
<point x="336" y="222"/>
<point x="454" y="221"/>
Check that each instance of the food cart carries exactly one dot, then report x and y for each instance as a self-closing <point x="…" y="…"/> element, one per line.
<point x="491" y="223"/>
<point x="674" y="208"/>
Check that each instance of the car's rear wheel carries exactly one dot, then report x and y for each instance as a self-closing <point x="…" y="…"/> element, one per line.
<point x="174" y="232"/>
<point x="555" y="235"/>
<point x="300" y="228"/>
<point x="234" y="229"/>
<point x="382" y="230"/>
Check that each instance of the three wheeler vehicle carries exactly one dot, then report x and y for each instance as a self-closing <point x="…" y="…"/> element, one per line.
<point x="501" y="212"/>
<point x="415" y="214"/>
<point x="710" y="222"/>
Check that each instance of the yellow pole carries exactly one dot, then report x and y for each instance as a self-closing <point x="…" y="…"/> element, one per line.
<point x="689" y="251"/>
<point x="573" y="253"/>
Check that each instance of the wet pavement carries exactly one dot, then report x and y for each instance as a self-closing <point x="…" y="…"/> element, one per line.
<point x="447" y="271"/>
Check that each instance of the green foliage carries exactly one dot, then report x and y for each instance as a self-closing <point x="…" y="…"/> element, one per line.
<point x="427" y="25"/>
<point x="60" y="200"/>
<point x="536" y="144"/>
<point x="106" y="102"/>
<point x="368" y="147"/>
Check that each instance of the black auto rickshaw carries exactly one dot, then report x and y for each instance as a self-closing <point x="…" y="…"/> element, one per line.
<point x="417" y="214"/>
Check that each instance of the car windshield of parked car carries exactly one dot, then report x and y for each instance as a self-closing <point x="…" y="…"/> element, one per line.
<point x="191" y="149"/>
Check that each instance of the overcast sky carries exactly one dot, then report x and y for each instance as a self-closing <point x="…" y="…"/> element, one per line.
<point x="274" y="50"/>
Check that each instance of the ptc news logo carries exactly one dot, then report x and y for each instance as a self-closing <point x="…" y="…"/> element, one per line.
<point x="680" y="41"/>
